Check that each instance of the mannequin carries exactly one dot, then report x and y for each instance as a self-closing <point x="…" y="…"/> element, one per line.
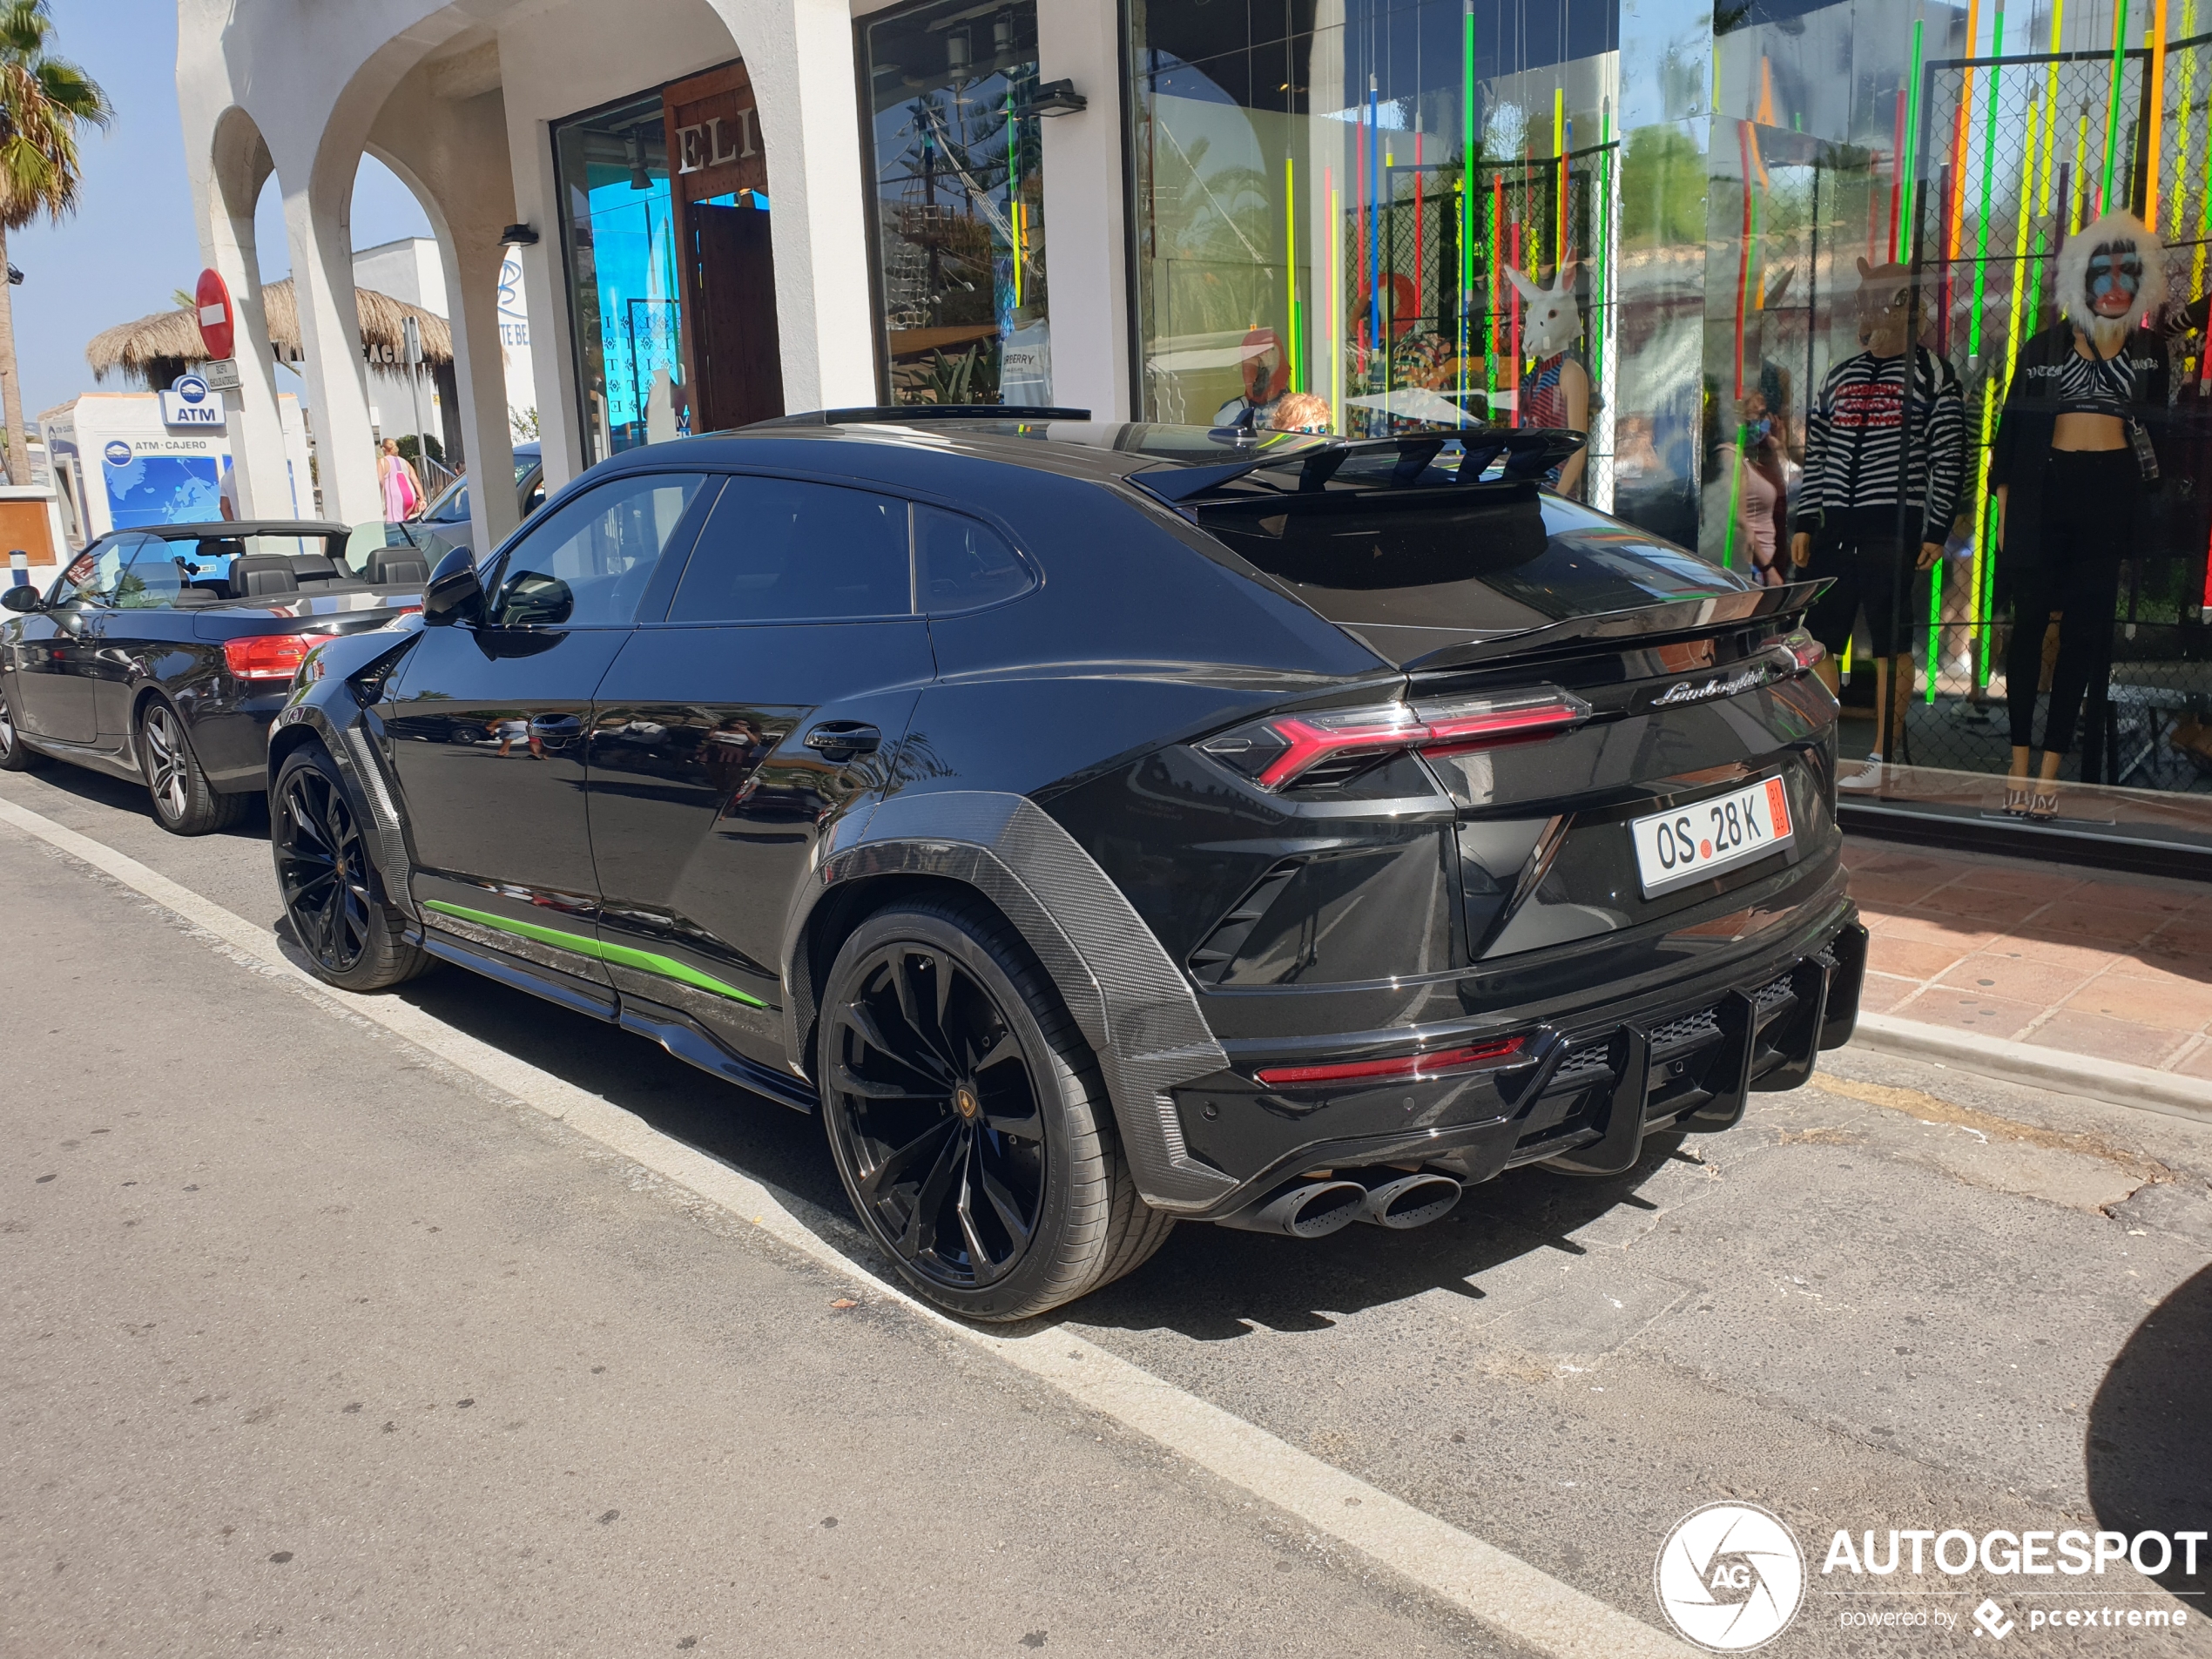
<point x="1556" y="393"/>
<point x="1848" y="513"/>
<point x="2073" y="463"/>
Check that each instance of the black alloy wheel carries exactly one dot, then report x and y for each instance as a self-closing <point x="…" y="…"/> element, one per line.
<point x="322" y="868"/>
<point x="16" y="755"/>
<point x="332" y="888"/>
<point x="967" y="1118"/>
<point x="184" y="803"/>
<point x="940" y="1112"/>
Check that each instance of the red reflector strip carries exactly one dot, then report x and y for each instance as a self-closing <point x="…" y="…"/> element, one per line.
<point x="268" y="656"/>
<point x="1401" y="1068"/>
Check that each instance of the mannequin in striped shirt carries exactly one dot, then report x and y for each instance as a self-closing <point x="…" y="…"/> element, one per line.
<point x="1885" y="455"/>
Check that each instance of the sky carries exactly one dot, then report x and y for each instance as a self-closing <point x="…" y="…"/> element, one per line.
<point x="132" y="239"/>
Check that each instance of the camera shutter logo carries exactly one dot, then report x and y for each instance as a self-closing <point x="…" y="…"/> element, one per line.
<point x="1730" y="1577"/>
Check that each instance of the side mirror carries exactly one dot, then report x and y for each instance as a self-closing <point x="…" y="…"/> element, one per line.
<point x="454" y="593"/>
<point x="22" y="597"/>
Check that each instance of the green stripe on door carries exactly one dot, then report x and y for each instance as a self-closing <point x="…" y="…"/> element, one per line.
<point x="644" y="961"/>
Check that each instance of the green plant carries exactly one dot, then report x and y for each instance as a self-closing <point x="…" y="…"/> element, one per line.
<point x="43" y="100"/>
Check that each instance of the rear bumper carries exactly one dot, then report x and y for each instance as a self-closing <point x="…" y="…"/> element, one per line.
<point x="1581" y="1092"/>
<point x="231" y="740"/>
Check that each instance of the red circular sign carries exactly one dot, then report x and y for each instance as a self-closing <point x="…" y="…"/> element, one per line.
<point x="212" y="296"/>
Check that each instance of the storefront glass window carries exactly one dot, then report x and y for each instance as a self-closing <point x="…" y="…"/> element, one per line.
<point x="959" y="202"/>
<point x="1801" y="273"/>
<point x="624" y="285"/>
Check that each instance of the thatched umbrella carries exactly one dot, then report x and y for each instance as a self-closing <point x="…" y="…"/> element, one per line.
<point x="154" y="350"/>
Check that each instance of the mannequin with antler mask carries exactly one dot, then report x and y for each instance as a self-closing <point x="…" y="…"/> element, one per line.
<point x="1557" y="392"/>
<point x="1885" y="444"/>
<point x="2071" y="468"/>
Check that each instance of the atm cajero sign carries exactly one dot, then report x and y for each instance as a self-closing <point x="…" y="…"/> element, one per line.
<point x="190" y="402"/>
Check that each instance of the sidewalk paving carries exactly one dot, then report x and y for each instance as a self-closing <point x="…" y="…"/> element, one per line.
<point x="2095" y="963"/>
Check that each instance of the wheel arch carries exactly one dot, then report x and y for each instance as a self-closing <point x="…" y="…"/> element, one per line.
<point x="1131" y="1003"/>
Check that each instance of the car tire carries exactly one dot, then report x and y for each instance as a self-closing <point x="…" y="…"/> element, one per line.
<point x="184" y="803"/>
<point x="332" y="890"/>
<point x="973" y="1123"/>
<point x="16" y="755"/>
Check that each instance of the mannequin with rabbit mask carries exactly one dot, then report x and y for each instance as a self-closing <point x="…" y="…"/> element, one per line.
<point x="1557" y="392"/>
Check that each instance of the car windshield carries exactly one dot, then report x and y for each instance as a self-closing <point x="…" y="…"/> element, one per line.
<point x="1493" y="559"/>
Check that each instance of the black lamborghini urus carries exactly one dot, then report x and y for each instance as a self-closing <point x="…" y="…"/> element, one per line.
<point x="1103" y="825"/>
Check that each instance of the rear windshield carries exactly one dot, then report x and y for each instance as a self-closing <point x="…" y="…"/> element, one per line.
<point x="1499" y="560"/>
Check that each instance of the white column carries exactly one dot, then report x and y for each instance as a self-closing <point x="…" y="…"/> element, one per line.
<point x="317" y="226"/>
<point x="553" y="346"/>
<point x="799" y="54"/>
<point x="472" y="292"/>
<point x="1086" y="212"/>
<point x="260" y="470"/>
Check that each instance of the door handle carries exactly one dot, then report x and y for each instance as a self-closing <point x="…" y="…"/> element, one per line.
<point x="841" y="740"/>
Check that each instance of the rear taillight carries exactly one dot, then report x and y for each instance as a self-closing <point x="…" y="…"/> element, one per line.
<point x="268" y="656"/>
<point x="1800" y="648"/>
<point x="1400" y="1069"/>
<point x="1329" y="744"/>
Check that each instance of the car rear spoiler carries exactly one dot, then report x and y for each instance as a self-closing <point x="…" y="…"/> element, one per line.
<point x="1418" y="649"/>
<point x="1530" y="452"/>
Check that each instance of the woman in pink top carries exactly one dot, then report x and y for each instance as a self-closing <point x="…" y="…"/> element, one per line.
<point x="402" y="489"/>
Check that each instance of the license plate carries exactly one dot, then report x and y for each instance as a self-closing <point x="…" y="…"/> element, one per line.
<point x="1692" y="842"/>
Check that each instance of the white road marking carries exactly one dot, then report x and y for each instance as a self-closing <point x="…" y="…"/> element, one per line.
<point x="1500" y="1590"/>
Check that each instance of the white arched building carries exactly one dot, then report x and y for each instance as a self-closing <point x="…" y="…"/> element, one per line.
<point x="692" y="174"/>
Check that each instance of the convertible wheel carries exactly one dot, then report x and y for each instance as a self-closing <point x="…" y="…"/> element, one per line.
<point x="329" y="883"/>
<point x="16" y="755"/>
<point x="967" y="1119"/>
<point x="184" y="802"/>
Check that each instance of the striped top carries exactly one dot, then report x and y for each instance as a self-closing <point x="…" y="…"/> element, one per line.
<point x="1856" y="429"/>
<point x="2095" y="384"/>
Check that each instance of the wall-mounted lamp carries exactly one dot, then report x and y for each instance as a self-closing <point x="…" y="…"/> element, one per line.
<point x="1055" y="97"/>
<point x="518" y="236"/>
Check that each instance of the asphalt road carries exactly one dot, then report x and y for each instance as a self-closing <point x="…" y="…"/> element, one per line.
<point x="311" y="1340"/>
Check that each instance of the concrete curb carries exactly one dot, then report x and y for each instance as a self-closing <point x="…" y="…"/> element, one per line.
<point x="2110" y="1081"/>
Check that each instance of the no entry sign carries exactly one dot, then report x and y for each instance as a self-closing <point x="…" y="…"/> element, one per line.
<point x="213" y="298"/>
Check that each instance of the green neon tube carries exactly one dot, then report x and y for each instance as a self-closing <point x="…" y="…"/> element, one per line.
<point x="1735" y="498"/>
<point x="1466" y="186"/>
<point x="1289" y="270"/>
<point x="1912" y="148"/>
<point x="2182" y="138"/>
<point x="644" y="961"/>
<point x="2111" y="105"/>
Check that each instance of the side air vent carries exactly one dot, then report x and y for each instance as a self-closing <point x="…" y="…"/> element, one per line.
<point x="1211" y="959"/>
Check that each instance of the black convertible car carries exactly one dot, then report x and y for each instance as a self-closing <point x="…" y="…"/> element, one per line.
<point x="162" y="654"/>
<point x="1105" y="824"/>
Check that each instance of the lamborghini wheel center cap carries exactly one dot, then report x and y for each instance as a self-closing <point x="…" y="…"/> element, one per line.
<point x="966" y="1104"/>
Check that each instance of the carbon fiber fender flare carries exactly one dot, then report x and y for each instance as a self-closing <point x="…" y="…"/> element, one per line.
<point x="371" y="791"/>
<point x="1132" y="1004"/>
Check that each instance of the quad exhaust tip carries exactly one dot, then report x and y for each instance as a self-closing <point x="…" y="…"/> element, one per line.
<point x="1315" y="1206"/>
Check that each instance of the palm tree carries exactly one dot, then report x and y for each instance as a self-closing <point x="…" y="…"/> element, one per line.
<point x="42" y="101"/>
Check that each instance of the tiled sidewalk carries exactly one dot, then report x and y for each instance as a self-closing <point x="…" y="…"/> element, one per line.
<point x="2095" y="963"/>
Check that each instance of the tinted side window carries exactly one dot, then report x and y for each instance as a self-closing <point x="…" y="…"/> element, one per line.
<point x="588" y="565"/>
<point x="778" y="550"/>
<point x="963" y="565"/>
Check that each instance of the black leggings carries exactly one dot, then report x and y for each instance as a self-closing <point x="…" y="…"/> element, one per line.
<point x="2086" y="515"/>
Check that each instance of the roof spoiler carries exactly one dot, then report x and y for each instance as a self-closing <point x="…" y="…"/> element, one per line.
<point x="1642" y="621"/>
<point x="1529" y="451"/>
<point x="907" y="414"/>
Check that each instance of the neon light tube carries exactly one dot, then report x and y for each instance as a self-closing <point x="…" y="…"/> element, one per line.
<point x="1420" y="268"/>
<point x="1910" y="147"/>
<point x="1743" y="256"/>
<point x="1374" y="207"/>
<point x="1495" y="208"/>
<point x="1598" y="294"/>
<point x="1988" y="178"/>
<point x="2182" y="153"/>
<point x="2155" y="110"/>
<point x="2112" y="103"/>
<point x="1290" y="271"/>
<point x="1734" y="481"/>
<point x="1466" y="187"/>
<point x="1960" y="123"/>
<point x="1896" y="179"/>
<point x="1559" y="178"/>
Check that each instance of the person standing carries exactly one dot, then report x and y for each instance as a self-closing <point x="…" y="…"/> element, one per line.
<point x="402" y="487"/>
<point x="2073" y="468"/>
<point x="1879" y="431"/>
